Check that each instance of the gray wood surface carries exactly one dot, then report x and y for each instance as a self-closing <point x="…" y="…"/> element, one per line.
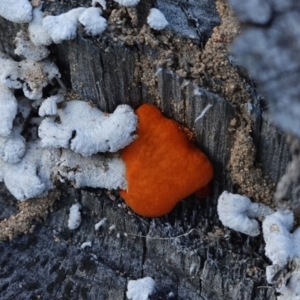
<point x="187" y="252"/>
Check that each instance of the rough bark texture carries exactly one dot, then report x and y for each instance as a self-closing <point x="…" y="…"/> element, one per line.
<point x="187" y="252"/>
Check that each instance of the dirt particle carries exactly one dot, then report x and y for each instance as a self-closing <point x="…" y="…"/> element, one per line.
<point x="34" y="209"/>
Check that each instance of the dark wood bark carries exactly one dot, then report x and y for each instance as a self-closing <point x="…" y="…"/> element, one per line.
<point x="187" y="252"/>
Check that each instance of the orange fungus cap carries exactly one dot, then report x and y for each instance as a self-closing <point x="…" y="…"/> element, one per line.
<point x="162" y="165"/>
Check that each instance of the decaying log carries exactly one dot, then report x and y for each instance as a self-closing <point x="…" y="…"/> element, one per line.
<point x="188" y="252"/>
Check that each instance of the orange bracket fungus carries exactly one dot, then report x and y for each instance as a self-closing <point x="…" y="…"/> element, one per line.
<point x="162" y="165"/>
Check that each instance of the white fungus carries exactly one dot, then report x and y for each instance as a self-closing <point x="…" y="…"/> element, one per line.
<point x="101" y="224"/>
<point x="16" y="11"/>
<point x="86" y="244"/>
<point x="64" y="26"/>
<point x="140" y="289"/>
<point x="74" y="216"/>
<point x="31" y="76"/>
<point x="36" y="76"/>
<point x="49" y="105"/>
<point x="8" y="109"/>
<point x="128" y="3"/>
<point x="26" y="48"/>
<point x="26" y="168"/>
<point x="291" y="288"/>
<point x="38" y="35"/>
<point x="9" y="75"/>
<point x="50" y="71"/>
<point x="283" y="249"/>
<point x="87" y="130"/>
<point x="112" y="229"/>
<point x="238" y="212"/>
<point x="281" y="245"/>
<point x="28" y="174"/>
<point x="12" y="148"/>
<point x="30" y="177"/>
<point x="92" y="21"/>
<point x="156" y="19"/>
<point x="95" y="171"/>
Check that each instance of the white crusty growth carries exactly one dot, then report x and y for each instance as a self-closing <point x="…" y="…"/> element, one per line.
<point x="9" y="75"/>
<point x="281" y="245"/>
<point x="26" y="48"/>
<point x="86" y="244"/>
<point x="31" y="76"/>
<point x="64" y="26"/>
<point x="36" y="76"/>
<point x="12" y="148"/>
<point x="238" y="213"/>
<point x="17" y="11"/>
<point x="37" y="33"/>
<point x="8" y="109"/>
<point x="74" y="216"/>
<point x="31" y="177"/>
<point x="49" y="105"/>
<point x="92" y="21"/>
<point x="87" y="130"/>
<point x="140" y="289"/>
<point x="156" y="19"/>
<point x="97" y="171"/>
<point x="291" y="287"/>
<point x="101" y="224"/>
<point x="27" y="169"/>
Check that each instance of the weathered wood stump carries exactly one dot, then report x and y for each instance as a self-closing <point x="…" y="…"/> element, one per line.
<point x="187" y="252"/>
